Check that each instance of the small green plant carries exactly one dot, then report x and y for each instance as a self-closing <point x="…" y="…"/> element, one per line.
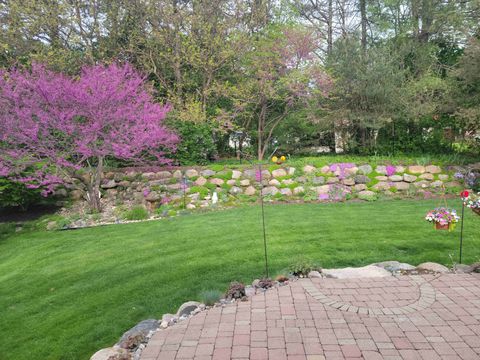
<point x="136" y="213"/>
<point x="210" y="297"/>
<point x="302" y="265"/>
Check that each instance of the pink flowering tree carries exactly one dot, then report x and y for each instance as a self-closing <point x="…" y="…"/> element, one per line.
<point x="58" y="127"/>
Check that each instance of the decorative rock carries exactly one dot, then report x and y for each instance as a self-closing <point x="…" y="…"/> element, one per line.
<point x="207" y="172"/>
<point x="169" y="318"/>
<point x="231" y="182"/>
<point x="434" y="267"/>
<point x="367" y="195"/>
<point x="109" y="185"/>
<point x="395" y="178"/>
<point x="436" y="184"/>
<point x="186" y="308"/>
<point x="401" y="185"/>
<point x="250" y="173"/>
<point x="250" y="191"/>
<point x="325" y="169"/>
<point x="462" y="269"/>
<point x="351" y="171"/>
<point x="200" y="181"/>
<point x="400" y="169"/>
<point x="279" y="173"/>
<point x="191" y="206"/>
<point x="360" y="187"/>
<point x="245" y="182"/>
<point x="148" y="175"/>
<point x="138" y="334"/>
<point x="381" y="178"/>
<point x="318" y="180"/>
<point x="433" y="169"/>
<point x="348" y="182"/>
<point x="249" y="291"/>
<point x="302" y="179"/>
<point x="452" y="184"/>
<point x="409" y="178"/>
<point x="191" y="173"/>
<point x="422" y="184"/>
<point x="112" y="353"/>
<point x="235" y="190"/>
<point x="163" y="175"/>
<point x="314" y="274"/>
<point x="361" y="179"/>
<point x="291" y="171"/>
<point x="298" y="190"/>
<point x="365" y="169"/>
<point x="286" y="192"/>
<point x="236" y="174"/>
<point x="395" y="266"/>
<point x="308" y="169"/>
<point x="288" y="181"/>
<point x="368" y="271"/>
<point x="76" y="194"/>
<point x="332" y="180"/>
<point x="443" y="177"/>
<point x="381" y="169"/>
<point x="274" y="182"/>
<point x="427" y="176"/>
<point x="153" y="196"/>
<point x="217" y="181"/>
<point x="269" y="190"/>
<point x="177" y="174"/>
<point x="416" y="169"/>
<point x="382" y="185"/>
<point x="324" y="189"/>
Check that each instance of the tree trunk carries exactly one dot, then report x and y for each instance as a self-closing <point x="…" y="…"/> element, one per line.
<point x="93" y="183"/>
<point x="261" y="129"/>
<point x="363" y="14"/>
<point x="330" y="27"/>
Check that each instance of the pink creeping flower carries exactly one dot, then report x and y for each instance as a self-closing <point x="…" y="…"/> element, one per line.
<point x="258" y="176"/>
<point x="391" y="170"/>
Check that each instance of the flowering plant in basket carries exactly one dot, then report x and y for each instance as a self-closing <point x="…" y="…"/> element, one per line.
<point x="471" y="201"/>
<point x="443" y="218"/>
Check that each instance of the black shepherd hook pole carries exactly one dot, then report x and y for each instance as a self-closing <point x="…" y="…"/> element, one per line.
<point x="461" y="231"/>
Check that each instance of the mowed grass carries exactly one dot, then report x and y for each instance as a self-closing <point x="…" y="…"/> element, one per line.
<point x="66" y="294"/>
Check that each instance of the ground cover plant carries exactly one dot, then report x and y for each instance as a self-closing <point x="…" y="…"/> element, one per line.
<point x="65" y="294"/>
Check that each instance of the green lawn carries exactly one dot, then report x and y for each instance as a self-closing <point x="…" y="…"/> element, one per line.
<point x="65" y="294"/>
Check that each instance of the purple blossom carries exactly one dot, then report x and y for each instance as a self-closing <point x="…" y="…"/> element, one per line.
<point x="458" y="175"/>
<point x="323" y="197"/>
<point x="258" y="175"/>
<point x="146" y="192"/>
<point x="390" y="169"/>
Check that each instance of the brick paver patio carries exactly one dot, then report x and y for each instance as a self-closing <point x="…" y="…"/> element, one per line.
<point x="409" y="317"/>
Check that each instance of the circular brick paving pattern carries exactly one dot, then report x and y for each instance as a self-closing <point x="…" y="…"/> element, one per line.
<point x="391" y="296"/>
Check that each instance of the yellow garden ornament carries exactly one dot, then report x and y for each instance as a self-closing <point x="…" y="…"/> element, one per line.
<point x="278" y="160"/>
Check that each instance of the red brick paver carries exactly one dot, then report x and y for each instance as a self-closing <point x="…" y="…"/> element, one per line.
<point x="408" y="317"/>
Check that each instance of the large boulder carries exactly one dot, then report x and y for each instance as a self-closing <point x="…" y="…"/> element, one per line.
<point x="217" y="181"/>
<point x="153" y="196"/>
<point x="427" y="176"/>
<point x="286" y="192"/>
<point x="318" y="180"/>
<point x="207" y="173"/>
<point x="308" y="169"/>
<point x="367" y="195"/>
<point x="200" y="181"/>
<point x="110" y="184"/>
<point x="138" y="334"/>
<point x="236" y="174"/>
<point x="381" y="185"/>
<point x="369" y="271"/>
<point x="274" y="182"/>
<point x="245" y="182"/>
<point x="298" y="190"/>
<point x="269" y="190"/>
<point x="395" y="266"/>
<point x="279" y="173"/>
<point x="395" y="178"/>
<point x="187" y="308"/>
<point x="360" y="187"/>
<point x="409" y="178"/>
<point x="112" y="353"/>
<point x="416" y="169"/>
<point x="433" y="169"/>
<point x="361" y="179"/>
<point x="401" y="185"/>
<point x="235" y="190"/>
<point x="365" y="169"/>
<point x="191" y="173"/>
<point x="348" y="182"/>
<point x="381" y="169"/>
<point x="250" y="191"/>
<point x="433" y="267"/>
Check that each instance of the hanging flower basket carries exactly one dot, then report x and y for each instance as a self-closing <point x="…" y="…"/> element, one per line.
<point x="443" y="218"/>
<point x="471" y="201"/>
